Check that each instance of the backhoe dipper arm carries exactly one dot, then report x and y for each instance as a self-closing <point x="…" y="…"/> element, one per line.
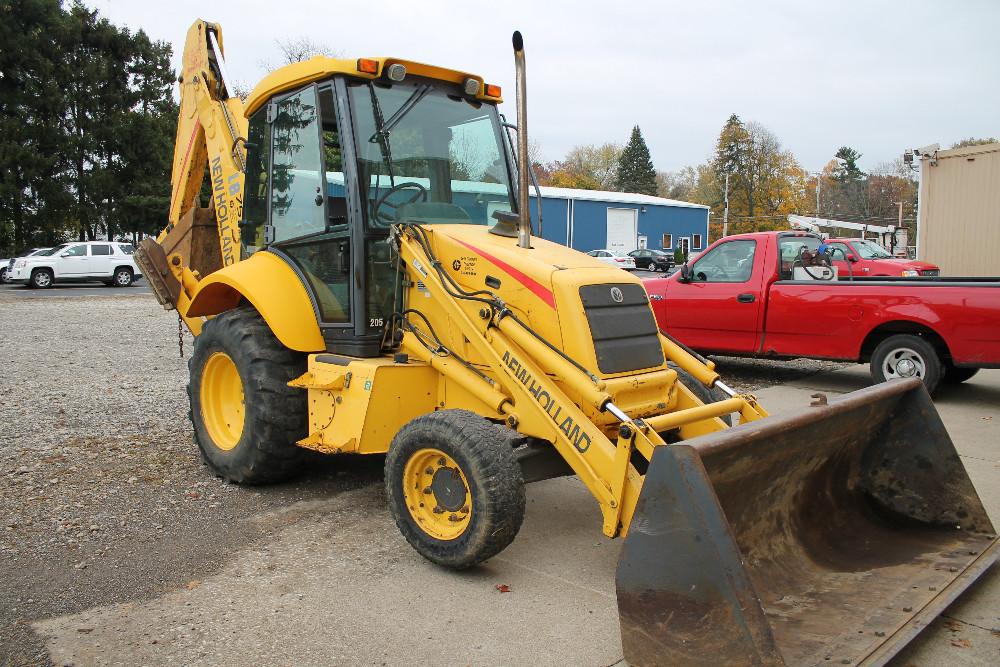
<point x="211" y="130"/>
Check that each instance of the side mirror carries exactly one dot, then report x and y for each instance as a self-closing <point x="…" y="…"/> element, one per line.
<point x="685" y="276"/>
<point x="64" y="254"/>
<point x="852" y="258"/>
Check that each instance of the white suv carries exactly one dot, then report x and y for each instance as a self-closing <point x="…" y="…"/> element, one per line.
<point x="107" y="261"/>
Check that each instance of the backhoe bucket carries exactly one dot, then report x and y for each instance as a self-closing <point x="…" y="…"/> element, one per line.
<point x="832" y="535"/>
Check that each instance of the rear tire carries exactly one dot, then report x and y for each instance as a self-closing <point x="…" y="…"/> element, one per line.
<point x="246" y="418"/>
<point x="957" y="374"/>
<point x="704" y="394"/>
<point x="455" y="488"/>
<point x="41" y="279"/>
<point x="907" y="355"/>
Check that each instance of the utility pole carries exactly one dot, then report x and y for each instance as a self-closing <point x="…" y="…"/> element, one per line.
<point x="819" y="184"/>
<point x="725" y="210"/>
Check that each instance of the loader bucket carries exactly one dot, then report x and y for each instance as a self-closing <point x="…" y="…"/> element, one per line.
<point x="831" y="535"/>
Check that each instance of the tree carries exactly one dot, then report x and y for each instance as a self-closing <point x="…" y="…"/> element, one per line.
<point x="295" y="50"/>
<point x="31" y="101"/>
<point x="964" y="143"/>
<point x="765" y="181"/>
<point x="588" y="167"/>
<point x="679" y="184"/>
<point x="87" y="120"/>
<point x="635" y="167"/>
<point x="848" y="169"/>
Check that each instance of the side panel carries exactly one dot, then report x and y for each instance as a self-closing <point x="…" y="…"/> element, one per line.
<point x="273" y="288"/>
<point x="832" y="321"/>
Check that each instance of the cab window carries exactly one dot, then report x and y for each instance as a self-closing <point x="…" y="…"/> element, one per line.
<point x="729" y="262"/>
<point x="296" y="168"/>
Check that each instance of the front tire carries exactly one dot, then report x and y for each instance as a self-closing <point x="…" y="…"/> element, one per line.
<point x="455" y="488"/>
<point x="246" y="418"/>
<point x="906" y="355"/>
<point x="41" y="279"/>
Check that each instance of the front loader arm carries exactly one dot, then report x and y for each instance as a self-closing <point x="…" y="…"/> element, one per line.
<point x="211" y="131"/>
<point x="526" y="383"/>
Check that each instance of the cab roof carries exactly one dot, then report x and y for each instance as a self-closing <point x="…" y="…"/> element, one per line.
<point x="296" y="75"/>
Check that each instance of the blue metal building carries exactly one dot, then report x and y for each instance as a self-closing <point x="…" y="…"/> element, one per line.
<point x="592" y="219"/>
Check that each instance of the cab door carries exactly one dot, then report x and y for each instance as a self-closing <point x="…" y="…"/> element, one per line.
<point x="720" y="308"/>
<point x="299" y="205"/>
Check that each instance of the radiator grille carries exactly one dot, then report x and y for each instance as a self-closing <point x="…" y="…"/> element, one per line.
<point x="622" y="327"/>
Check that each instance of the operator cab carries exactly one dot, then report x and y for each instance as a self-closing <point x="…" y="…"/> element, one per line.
<point x="333" y="165"/>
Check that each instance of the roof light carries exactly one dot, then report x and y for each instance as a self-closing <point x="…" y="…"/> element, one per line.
<point x="471" y="87"/>
<point x="367" y="66"/>
<point x="492" y="90"/>
<point x="396" y="72"/>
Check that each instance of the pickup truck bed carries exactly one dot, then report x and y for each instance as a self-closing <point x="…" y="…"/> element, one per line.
<point x="737" y="298"/>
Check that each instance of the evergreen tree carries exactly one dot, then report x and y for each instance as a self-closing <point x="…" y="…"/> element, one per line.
<point x="31" y="102"/>
<point x="87" y="119"/>
<point x="848" y="170"/>
<point x="635" y="168"/>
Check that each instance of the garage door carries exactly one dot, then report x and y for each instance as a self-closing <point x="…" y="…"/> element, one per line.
<point x="622" y="229"/>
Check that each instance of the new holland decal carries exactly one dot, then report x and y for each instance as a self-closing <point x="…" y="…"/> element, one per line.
<point x="566" y="424"/>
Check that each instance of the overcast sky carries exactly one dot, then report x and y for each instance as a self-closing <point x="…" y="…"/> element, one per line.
<point x="876" y="75"/>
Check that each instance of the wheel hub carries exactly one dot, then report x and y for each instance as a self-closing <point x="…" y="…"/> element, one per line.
<point x="906" y="368"/>
<point x="449" y="489"/>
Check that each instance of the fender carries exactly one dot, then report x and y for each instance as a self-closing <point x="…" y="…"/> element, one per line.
<point x="273" y="288"/>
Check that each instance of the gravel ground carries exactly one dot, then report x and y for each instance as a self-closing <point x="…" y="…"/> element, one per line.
<point x="103" y="495"/>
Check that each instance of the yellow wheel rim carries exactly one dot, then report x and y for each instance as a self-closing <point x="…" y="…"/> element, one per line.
<point x="222" y="401"/>
<point x="437" y="494"/>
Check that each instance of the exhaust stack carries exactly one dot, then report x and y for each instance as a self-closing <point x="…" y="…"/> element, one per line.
<point x="523" y="167"/>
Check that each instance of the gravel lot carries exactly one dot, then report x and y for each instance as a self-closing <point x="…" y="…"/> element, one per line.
<point x="103" y="496"/>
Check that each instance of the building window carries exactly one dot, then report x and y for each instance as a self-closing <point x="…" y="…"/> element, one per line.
<point x="696" y="242"/>
<point x="668" y="241"/>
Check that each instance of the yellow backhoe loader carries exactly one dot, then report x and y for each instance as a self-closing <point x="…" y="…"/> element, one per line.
<point x="365" y="281"/>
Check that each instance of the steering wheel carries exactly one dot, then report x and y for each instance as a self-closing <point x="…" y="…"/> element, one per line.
<point x="420" y="194"/>
<point x="710" y="272"/>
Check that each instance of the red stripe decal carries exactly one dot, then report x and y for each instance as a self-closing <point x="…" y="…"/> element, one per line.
<point x="533" y="285"/>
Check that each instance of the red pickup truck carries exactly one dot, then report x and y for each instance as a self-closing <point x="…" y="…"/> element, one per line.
<point x="739" y="298"/>
<point x="858" y="257"/>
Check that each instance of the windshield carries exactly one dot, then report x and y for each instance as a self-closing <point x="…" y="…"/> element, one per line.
<point x="869" y="250"/>
<point x="428" y="154"/>
<point x="52" y="251"/>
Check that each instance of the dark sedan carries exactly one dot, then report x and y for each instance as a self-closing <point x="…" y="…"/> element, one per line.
<point x="652" y="260"/>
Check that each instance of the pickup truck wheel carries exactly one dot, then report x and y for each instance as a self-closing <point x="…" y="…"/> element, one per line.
<point x="704" y="394"/>
<point x="246" y="418"/>
<point x="957" y="374"/>
<point x="455" y="488"/>
<point x="41" y="278"/>
<point x="123" y="277"/>
<point x="904" y="356"/>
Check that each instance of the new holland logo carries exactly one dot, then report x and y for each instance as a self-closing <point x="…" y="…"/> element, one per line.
<point x="616" y="295"/>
